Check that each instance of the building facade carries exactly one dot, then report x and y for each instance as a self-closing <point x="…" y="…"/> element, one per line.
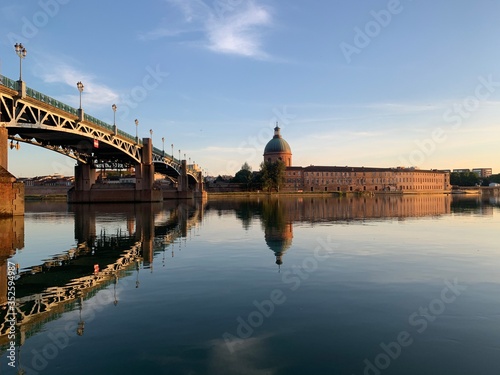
<point x="483" y="172"/>
<point x="353" y="179"/>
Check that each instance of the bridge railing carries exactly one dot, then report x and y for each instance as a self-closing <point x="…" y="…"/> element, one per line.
<point x="127" y="136"/>
<point x="50" y="101"/>
<point x="7" y="82"/>
<point x="10" y="83"/>
<point x="161" y="152"/>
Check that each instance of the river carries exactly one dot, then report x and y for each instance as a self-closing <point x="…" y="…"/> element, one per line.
<point x="302" y="285"/>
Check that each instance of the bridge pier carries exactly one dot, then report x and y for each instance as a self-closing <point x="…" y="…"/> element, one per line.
<point x="87" y="191"/>
<point x="11" y="191"/>
<point x="182" y="181"/>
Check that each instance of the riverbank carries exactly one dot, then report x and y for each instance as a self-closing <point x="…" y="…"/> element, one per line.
<point x="49" y="193"/>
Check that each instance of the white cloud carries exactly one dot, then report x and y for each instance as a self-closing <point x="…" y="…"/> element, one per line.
<point x="95" y="94"/>
<point x="230" y="30"/>
<point x="237" y="34"/>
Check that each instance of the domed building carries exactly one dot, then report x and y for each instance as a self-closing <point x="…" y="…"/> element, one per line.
<point x="278" y="149"/>
<point x="317" y="178"/>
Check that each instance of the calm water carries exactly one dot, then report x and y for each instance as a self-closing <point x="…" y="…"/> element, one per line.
<point x="396" y="285"/>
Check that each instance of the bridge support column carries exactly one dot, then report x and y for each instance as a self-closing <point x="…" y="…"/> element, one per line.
<point x="200" y="192"/>
<point x="144" y="175"/>
<point x="85" y="177"/>
<point x="11" y="191"/>
<point x="182" y="183"/>
<point x="4" y="140"/>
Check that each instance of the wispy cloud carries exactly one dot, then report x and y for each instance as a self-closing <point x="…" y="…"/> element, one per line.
<point x="234" y="30"/>
<point x="96" y="94"/>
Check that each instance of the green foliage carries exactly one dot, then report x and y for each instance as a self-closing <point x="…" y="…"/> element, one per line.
<point x="495" y="178"/>
<point x="244" y="175"/>
<point x="272" y="175"/>
<point x="464" y="179"/>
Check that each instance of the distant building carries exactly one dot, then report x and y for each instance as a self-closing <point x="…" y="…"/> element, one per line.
<point x="461" y="170"/>
<point x="353" y="179"/>
<point x="53" y="180"/>
<point x="483" y="172"/>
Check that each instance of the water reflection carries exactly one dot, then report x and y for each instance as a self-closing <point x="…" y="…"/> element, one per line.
<point x="11" y="239"/>
<point x="278" y="214"/>
<point x="125" y="240"/>
<point x="112" y="242"/>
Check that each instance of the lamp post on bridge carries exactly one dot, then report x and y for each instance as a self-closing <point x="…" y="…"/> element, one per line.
<point x="21" y="52"/>
<point x="80" y="87"/>
<point x="179" y="155"/>
<point x="151" y="134"/>
<point x="163" y="145"/>
<point x="172" y="145"/>
<point x="136" y="134"/>
<point x="114" y="107"/>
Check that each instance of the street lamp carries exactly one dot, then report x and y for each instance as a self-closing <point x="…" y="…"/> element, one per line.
<point x="80" y="87"/>
<point x="21" y="52"/>
<point x="172" y="145"/>
<point x="136" y="134"/>
<point x="163" y="145"/>
<point x="179" y="155"/>
<point x="114" y="107"/>
<point x="151" y="133"/>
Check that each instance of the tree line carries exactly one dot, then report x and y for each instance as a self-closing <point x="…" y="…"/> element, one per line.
<point x="270" y="177"/>
<point x="472" y="179"/>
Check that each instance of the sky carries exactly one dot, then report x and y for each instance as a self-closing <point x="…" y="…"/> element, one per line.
<point x="350" y="83"/>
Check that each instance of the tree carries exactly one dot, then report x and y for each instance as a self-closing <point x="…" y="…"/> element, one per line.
<point x="464" y="179"/>
<point x="244" y="175"/>
<point x="272" y="175"/>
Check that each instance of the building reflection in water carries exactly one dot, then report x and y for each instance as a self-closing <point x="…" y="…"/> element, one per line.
<point x="277" y="223"/>
<point x="278" y="214"/>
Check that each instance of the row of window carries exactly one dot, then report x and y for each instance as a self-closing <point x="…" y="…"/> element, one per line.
<point x="381" y="188"/>
<point x="436" y="177"/>
<point x="350" y="181"/>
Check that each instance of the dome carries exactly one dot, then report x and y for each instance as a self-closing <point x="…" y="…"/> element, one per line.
<point x="278" y="149"/>
<point x="277" y="144"/>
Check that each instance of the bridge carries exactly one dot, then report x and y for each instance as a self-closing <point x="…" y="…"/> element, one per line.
<point x="31" y="117"/>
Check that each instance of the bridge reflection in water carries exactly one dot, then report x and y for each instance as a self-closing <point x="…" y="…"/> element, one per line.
<point x="115" y="241"/>
<point x="112" y="243"/>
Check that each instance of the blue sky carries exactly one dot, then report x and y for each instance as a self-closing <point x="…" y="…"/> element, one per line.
<point x="358" y="83"/>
